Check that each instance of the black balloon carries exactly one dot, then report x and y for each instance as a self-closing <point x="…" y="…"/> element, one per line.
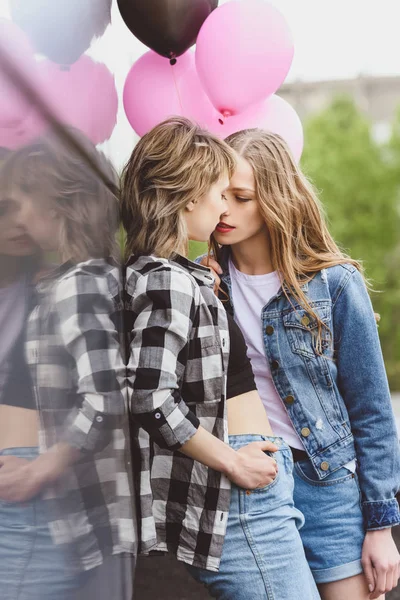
<point x="61" y="29"/>
<point x="169" y="27"/>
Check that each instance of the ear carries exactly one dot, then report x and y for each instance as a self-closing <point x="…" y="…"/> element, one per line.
<point x="190" y="206"/>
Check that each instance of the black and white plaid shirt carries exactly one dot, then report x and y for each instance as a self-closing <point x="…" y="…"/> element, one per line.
<point x="79" y="378"/>
<point x="179" y="349"/>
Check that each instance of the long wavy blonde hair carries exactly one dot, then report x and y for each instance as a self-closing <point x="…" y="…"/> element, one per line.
<point x="175" y="163"/>
<point x="300" y="242"/>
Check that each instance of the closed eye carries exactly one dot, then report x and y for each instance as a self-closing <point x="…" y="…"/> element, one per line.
<point x="242" y="199"/>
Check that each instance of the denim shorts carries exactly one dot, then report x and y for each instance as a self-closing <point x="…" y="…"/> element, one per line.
<point x="262" y="556"/>
<point x="31" y="567"/>
<point x="333" y="532"/>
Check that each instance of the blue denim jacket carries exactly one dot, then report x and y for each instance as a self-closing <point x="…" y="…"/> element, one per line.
<point x="339" y="402"/>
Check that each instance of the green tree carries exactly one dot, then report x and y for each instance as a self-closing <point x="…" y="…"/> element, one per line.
<point x="358" y="185"/>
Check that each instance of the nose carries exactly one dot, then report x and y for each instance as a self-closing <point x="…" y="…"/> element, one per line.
<point x="21" y="216"/>
<point x="225" y="212"/>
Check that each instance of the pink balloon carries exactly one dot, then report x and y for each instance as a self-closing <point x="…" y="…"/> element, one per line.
<point x="155" y="90"/>
<point x="83" y="96"/>
<point x="273" y="114"/>
<point x="243" y="54"/>
<point x="15" y="51"/>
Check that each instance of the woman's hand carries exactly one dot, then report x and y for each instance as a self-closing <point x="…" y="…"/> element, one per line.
<point x="380" y="561"/>
<point x="21" y="479"/>
<point x="253" y="468"/>
<point x="18" y="481"/>
<point x="215" y="268"/>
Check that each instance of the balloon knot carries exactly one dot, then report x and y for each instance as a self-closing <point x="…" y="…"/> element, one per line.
<point x="172" y="62"/>
<point x="225" y="114"/>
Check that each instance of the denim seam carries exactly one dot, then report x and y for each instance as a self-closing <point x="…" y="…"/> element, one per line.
<point x="341" y="286"/>
<point x="255" y="552"/>
<point x="29" y="553"/>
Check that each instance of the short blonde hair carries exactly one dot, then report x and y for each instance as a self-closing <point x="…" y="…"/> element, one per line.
<point x="85" y="194"/>
<point x="175" y="163"/>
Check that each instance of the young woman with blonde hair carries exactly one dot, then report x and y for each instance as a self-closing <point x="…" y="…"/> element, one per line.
<point x="307" y="319"/>
<point x="220" y="504"/>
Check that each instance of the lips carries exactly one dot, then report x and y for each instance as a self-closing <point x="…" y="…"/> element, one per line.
<point x="22" y="239"/>
<point x="224" y="228"/>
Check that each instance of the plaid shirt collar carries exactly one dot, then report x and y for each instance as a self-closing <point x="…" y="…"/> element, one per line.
<point x="199" y="272"/>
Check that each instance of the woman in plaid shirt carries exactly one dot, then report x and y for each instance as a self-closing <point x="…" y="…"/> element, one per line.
<point x="223" y="505"/>
<point x="66" y="501"/>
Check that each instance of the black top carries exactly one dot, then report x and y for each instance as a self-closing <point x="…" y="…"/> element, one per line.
<point x="240" y="374"/>
<point x="18" y="390"/>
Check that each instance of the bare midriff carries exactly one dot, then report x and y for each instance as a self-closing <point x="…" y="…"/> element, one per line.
<point x="246" y="414"/>
<point x="18" y="427"/>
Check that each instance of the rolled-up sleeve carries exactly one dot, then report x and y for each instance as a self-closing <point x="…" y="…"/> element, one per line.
<point x="84" y="307"/>
<point x="163" y="310"/>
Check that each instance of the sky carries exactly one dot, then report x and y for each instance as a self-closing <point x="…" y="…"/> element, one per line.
<point x="333" y="39"/>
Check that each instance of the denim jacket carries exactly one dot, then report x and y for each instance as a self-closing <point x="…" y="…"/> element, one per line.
<point x="338" y="401"/>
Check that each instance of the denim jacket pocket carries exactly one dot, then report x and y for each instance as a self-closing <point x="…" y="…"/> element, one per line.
<point x="302" y="330"/>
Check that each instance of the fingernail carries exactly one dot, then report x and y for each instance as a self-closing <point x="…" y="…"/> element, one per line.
<point x="371" y="587"/>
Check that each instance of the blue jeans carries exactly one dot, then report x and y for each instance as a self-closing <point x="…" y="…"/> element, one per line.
<point x="31" y="566"/>
<point x="333" y="533"/>
<point x="263" y="556"/>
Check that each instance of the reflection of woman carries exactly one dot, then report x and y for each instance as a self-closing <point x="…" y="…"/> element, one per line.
<point x="76" y="488"/>
<point x="238" y="539"/>
<point x="23" y="527"/>
<point x="307" y="319"/>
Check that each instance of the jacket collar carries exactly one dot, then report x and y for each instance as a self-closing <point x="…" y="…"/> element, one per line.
<point x="224" y="262"/>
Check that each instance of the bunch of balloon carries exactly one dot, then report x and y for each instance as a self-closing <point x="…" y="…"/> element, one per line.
<point x="44" y="71"/>
<point x="244" y="50"/>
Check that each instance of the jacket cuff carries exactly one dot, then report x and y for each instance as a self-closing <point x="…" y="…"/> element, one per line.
<point x="380" y="515"/>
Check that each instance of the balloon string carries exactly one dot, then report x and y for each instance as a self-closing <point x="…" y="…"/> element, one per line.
<point x="177" y="90"/>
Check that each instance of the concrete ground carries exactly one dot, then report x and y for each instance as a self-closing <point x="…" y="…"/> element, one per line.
<point x="164" y="578"/>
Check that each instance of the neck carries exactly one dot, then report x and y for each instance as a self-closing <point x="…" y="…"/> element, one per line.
<point x="253" y="256"/>
<point x="11" y="268"/>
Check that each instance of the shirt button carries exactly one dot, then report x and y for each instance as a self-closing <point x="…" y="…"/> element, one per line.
<point x="269" y="330"/>
<point x="324" y="466"/>
<point x="99" y="419"/>
<point x="305" y="321"/>
<point x="289" y="400"/>
<point x="274" y="364"/>
<point x="305" y="432"/>
<point x="157" y="415"/>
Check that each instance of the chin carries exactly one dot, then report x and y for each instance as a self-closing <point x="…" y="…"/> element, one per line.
<point x="221" y="240"/>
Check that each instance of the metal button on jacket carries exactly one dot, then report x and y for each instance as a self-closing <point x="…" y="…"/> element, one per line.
<point x="305" y="432"/>
<point x="289" y="400"/>
<point x="274" y="364"/>
<point x="269" y="330"/>
<point x="305" y="321"/>
<point x="324" y="466"/>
